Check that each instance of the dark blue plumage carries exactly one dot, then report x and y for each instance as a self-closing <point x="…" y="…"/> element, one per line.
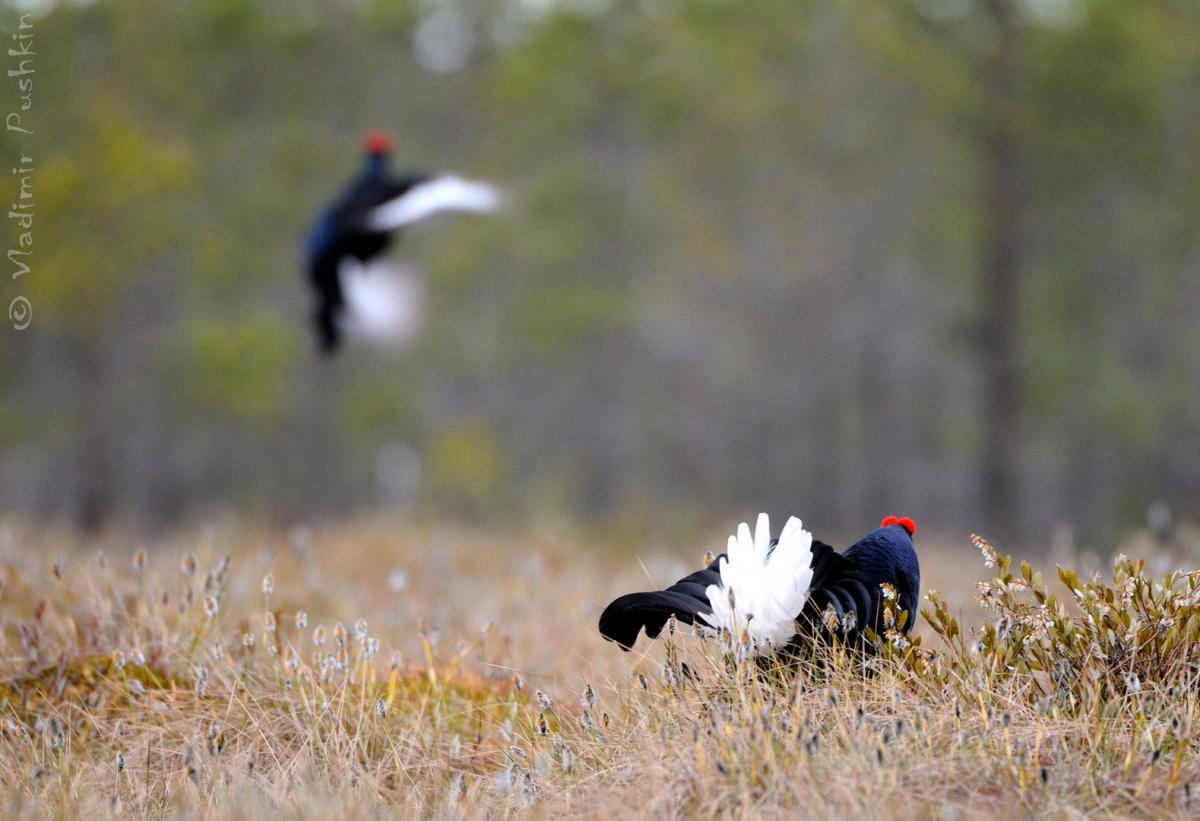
<point x="847" y="584"/>
<point x="888" y="555"/>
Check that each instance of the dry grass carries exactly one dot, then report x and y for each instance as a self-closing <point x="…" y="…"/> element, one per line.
<point x="477" y="685"/>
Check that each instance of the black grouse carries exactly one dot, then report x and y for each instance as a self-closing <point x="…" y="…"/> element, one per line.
<point x="349" y="237"/>
<point x="768" y="593"/>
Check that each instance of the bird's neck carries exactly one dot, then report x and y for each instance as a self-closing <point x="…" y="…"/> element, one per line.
<point x="376" y="165"/>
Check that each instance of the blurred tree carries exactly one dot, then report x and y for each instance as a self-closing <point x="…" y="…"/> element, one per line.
<point x="1003" y="267"/>
<point x="109" y="240"/>
<point x="935" y="257"/>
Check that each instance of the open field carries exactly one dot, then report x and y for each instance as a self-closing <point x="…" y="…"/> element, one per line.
<point x="476" y="684"/>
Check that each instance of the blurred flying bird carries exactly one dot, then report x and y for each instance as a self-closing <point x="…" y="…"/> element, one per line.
<point x="766" y="594"/>
<point x="354" y="288"/>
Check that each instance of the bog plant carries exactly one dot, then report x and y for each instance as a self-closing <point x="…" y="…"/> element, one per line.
<point x="1099" y="643"/>
<point x="154" y="692"/>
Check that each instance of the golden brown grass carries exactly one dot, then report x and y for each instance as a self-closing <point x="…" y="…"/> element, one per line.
<point x="443" y="672"/>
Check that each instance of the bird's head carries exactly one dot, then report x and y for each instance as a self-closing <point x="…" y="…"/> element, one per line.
<point x="377" y="143"/>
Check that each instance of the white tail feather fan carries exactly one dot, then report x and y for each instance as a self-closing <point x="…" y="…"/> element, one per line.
<point x="762" y="590"/>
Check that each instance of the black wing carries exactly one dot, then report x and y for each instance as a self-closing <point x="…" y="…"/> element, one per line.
<point x="837" y="585"/>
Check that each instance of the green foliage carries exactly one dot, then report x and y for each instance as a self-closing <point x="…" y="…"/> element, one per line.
<point x="233" y="368"/>
<point x="108" y="205"/>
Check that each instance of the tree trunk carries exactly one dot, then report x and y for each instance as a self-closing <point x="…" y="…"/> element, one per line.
<point x="1001" y="290"/>
<point x="94" y="457"/>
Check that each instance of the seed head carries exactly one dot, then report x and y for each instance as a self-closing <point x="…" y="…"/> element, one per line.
<point x="360" y="631"/>
<point x="301" y="620"/>
<point x="830" y="618"/>
<point x="211" y="606"/>
<point x="708" y="558"/>
<point x="985" y="547"/>
<point x="139" y="560"/>
<point x="268" y="583"/>
<point x="319" y="635"/>
<point x="188" y="564"/>
<point x="543" y="700"/>
<point x="381" y="708"/>
<point x="200" y="680"/>
<point x="588" y="697"/>
<point x="269" y="621"/>
<point x="216" y="738"/>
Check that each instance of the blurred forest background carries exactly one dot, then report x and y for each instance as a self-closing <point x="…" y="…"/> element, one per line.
<point x="931" y="257"/>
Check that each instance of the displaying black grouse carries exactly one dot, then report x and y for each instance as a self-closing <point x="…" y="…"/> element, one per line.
<point x="771" y="592"/>
<point x="355" y="230"/>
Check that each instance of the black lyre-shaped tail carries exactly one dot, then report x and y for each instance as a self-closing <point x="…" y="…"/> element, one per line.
<point x="622" y="620"/>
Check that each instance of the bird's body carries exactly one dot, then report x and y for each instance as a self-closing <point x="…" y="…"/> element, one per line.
<point x="349" y="237"/>
<point x="842" y="592"/>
